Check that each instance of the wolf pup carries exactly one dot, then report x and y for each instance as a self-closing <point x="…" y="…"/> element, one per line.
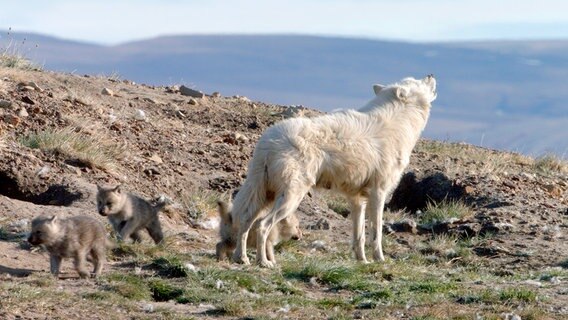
<point x="129" y="214"/>
<point x="81" y="238"/>
<point x="286" y="229"/>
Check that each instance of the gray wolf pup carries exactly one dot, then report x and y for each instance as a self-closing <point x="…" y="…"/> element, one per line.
<point x="81" y="238"/>
<point x="129" y="214"/>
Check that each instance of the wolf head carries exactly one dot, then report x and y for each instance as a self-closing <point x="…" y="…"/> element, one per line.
<point x="45" y="230"/>
<point x="420" y="92"/>
<point x="110" y="200"/>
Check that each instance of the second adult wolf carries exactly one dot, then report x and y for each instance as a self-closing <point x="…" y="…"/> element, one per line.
<point x="130" y="214"/>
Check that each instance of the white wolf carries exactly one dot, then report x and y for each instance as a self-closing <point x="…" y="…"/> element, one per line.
<point x="361" y="154"/>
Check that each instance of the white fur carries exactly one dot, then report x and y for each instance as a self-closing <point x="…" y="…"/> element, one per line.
<point x="361" y="154"/>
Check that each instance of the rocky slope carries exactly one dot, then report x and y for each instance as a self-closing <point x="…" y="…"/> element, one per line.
<point x="160" y="141"/>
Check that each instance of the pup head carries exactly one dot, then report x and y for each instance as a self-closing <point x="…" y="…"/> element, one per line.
<point x="226" y="224"/>
<point x="45" y="230"/>
<point x="411" y="91"/>
<point x="290" y="228"/>
<point x="110" y="200"/>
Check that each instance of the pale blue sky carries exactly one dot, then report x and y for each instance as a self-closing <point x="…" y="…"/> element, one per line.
<point x="112" y="21"/>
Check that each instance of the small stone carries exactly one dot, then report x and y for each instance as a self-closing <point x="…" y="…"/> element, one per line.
<point x="219" y="284"/>
<point x="156" y="159"/>
<point x="468" y="190"/>
<point x="553" y="190"/>
<point x="321" y="224"/>
<point x="319" y="245"/>
<point x="241" y="137"/>
<point x="140" y="115"/>
<point x="107" y="92"/>
<point x="150" y="100"/>
<point x="216" y="94"/>
<point x="35" y="86"/>
<point x="12" y="119"/>
<point x="5" y="104"/>
<point x="23" y="113"/>
<point x="192" y="101"/>
<point x="27" y="100"/>
<point x="26" y="88"/>
<point x="191" y="267"/>
<point x="148" y="307"/>
<point x="293" y="112"/>
<point x="185" y="91"/>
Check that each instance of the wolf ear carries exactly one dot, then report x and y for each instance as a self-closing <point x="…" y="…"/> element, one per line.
<point x="377" y="88"/>
<point x="401" y="93"/>
<point x="53" y="219"/>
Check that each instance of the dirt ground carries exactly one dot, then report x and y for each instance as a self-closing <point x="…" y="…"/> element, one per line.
<point x="184" y="146"/>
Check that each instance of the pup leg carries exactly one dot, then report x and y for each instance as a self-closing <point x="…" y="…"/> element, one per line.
<point x="80" y="258"/>
<point x="128" y="230"/>
<point x="155" y="231"/>
<point x="98" y="257"/>
<point x="358" y="219"/>
<point x="54" y="264"/>
<point x="136" y="236"/>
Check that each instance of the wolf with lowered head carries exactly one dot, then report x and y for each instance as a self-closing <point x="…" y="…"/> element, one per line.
<point x="130" y="214"/>
<point x="79" y="237"/>
<point x="286" y="229"/>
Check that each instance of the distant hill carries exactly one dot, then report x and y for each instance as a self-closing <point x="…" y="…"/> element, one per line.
<point x="505" y="95"/>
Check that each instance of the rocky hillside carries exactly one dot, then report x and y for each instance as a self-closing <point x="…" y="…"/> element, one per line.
<point x="62" y="134"/>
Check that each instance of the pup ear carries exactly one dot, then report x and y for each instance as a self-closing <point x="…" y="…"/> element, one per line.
<point x="118" y="189"/>
<point x="53" y="219"/>
<point x="401" y="93"/>
<point x="377" y="88"/>
<point x="224" y="211"/>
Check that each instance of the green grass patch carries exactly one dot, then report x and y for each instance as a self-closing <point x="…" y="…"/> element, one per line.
<point x="129" y="286"/>
<point x="517" y="295"/>
<point x="437" y="212"/>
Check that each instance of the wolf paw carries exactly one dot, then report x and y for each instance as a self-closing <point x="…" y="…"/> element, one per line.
<point x="242" y="259"/>
<point x="266" y="264"/>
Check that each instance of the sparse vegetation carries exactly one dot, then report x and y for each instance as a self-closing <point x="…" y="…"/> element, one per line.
<point x="78" y="148"/>
<point x="11" y="55"/>
<point x="199" y="202"/>
<point x="550" y="163"/>
<point x="444" y="211"/>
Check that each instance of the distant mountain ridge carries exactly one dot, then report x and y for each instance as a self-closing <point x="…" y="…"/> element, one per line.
<point x="507" y="95"/>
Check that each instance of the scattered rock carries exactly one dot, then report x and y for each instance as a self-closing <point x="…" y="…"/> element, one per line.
<point x="12" y="119"/>
<point x="219" y="284"/>
<point x="27" y="100"/>
<point x="405" y="225"/>
<point x="553" y="189"/>
<point x="156" y="159"/>
<point x="192" y="102"/>
<point x="191" y="267"/>
<point x="107" y="92"/>
<point x="148" y="307"/>
<point x="23" y="113"/>
<point x="140" y="115"/>
<point x="293" y="111"/>
<point x="319" y="245"/>
<point x="185" y="91"/>
<point x="5" y="104"/>
<point x="35" y="86"/>
<point x="321" y="224"/>
<point x="216" y="94"/>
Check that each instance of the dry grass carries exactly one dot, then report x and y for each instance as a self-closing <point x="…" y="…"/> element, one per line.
<point x="551" y="163"/>
<point x="90" y="150"/>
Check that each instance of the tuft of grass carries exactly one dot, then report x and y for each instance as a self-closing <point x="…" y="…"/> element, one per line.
<point x="338" y="204"/>
<point x="327" y="273"/>
<point x="199" y="202"/>
<point x="437" y="212"/>
<point x="517" y="295"/>
<point x="564" y="264"/>
<point x="94" y="151"/>
<point x="550" y="163"/>
<point x="11" y="55"/>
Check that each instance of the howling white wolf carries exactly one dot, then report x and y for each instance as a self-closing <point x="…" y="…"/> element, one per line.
<point x="361" y="154"/>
